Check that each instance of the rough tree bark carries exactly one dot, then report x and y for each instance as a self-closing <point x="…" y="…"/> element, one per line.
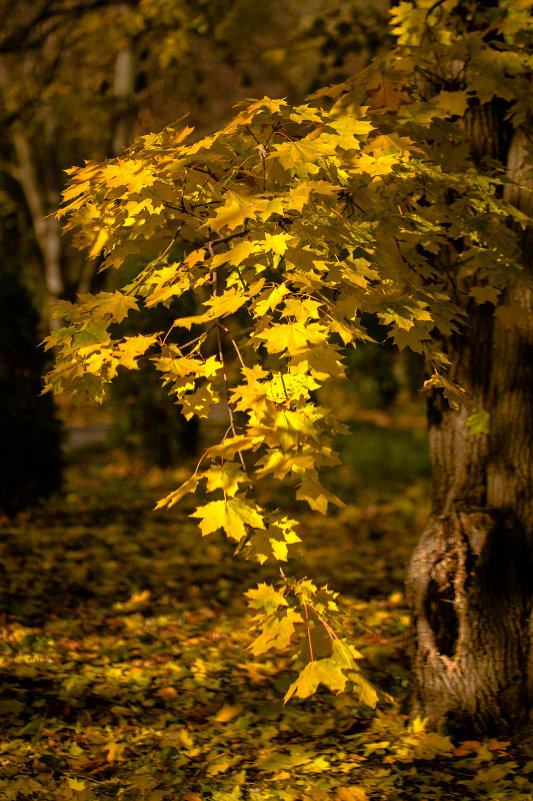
<point x="470" y="580"/>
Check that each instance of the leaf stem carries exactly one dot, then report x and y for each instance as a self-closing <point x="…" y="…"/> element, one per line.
<point x="228" y="405"/>
<point x="331" y="632"/>
<point x="159" y="260"/>
<point x="309" y="634"/>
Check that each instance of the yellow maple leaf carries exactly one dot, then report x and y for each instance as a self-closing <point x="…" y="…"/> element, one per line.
<point x="132" y="347"/>
<point x="264" y="596"/>
<point x="227" y="712"/>
<point x="235" y="255"/>
<point x="312" y="491"/>
<point x="199" y="403"/>
<point x="225" y="477"/>
<point x="98" y="244"/>
<point x="321" y="671"/>
<point x="236" y="208"/>
<point x="227" y="303"/>
<point x="351" y="794"/>
<point x="278" y="242"/>
<point x="230" y="514"/>
<point x="269" y="299"/>
<point x="175" y="496"/>
<point x="229" y="447"/>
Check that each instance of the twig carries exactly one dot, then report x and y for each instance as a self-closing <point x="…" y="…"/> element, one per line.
<point x="284" y="386"/>
<point x="329" y="629"/>
<point x="162" y="256"/>
<point x="222" y="239"/>
<point x="309" y="634"/>
<point x="239" y="355"/>
<point x="228" y="405"/>
<point x="240" y="276"/>
<point x="202" y="457"/>
<point x="432" y="8"/>
<point x="168" y="332"/>
<point x="197" y="339"/>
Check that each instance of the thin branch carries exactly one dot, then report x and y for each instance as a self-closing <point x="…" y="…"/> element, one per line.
<point x="284" y="386"/>
<point x="160" y="259"/>
<point x="331" y="632"/>
<point x="28" y="37"/>
<point x="309" y="634"/>
<point x="236" y="266"/>
<point x="434" y="80"/>
<point x="228" y="405"/>
<point x="221" y="240"/>
<point x="211" y="175"/>
<point x="226" y="385"/>
<point x="239" y="356"/>
<point x="168" y="332"/>
<point x="432" y="8"/>
<point x="247" y="127"/>
<point x="197" y="339"/>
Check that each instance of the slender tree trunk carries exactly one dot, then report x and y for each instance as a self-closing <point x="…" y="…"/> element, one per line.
<point x="470" y="579"/>
<point x="45" y="223"/>
<point x="41" y="187"/>
<point x="90" y="280"/>
<point x="123" y="88"/>
<point x="42" y="200"/>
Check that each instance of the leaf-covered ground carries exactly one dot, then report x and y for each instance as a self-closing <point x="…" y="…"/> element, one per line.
<point x="124" y="664"/>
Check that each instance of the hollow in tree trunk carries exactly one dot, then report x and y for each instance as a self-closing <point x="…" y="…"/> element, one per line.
<point x="469" y="582"/>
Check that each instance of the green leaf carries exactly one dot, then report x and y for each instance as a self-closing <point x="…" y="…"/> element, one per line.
<point x="478" y="423"/>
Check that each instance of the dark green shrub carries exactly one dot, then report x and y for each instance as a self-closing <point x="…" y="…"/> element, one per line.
<point x="30" y="432"/>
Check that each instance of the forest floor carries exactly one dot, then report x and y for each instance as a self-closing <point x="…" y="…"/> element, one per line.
<point x="124" y="662"/>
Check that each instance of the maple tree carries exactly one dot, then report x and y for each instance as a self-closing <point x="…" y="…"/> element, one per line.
<point x="402" y="193"/>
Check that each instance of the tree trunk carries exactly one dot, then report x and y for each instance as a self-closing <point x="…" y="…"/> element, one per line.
<point x="469" y="582"/>
<point x="123" y="90"/>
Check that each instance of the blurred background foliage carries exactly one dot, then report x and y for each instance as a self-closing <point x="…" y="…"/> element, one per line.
<point x="81" y="79"/>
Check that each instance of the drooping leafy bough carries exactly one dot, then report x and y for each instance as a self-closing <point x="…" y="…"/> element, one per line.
<point x="288" y="224"/>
